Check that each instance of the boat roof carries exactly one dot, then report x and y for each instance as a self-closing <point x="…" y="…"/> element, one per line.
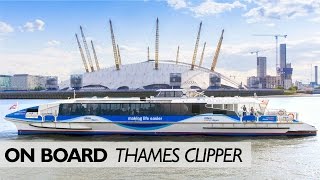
<point x="206" y="100"/>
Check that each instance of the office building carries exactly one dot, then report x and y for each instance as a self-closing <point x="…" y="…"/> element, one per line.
<point x="316" y="74"/>
<point x="5" y="82"/>
<point x="28" y="82"/>
<point x="283" y="56"/>
<point x="253" y="82"/>
<point x="52" y="83"/>
<point x="261" y="67"/>
<point x="272" y="82"/>
<point x="285" y="68"/>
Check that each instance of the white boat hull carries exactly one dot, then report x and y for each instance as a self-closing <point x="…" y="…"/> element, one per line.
<point x="181" y="128"/>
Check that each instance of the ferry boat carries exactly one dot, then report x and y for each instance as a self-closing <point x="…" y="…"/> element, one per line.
<point x="171" y="112"/>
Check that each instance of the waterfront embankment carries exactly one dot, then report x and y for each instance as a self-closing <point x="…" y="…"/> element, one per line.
<point x="127" y="93"/>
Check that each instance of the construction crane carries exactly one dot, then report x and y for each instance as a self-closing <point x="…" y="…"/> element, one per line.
<point x="196" y="47"/>
<point x="82" y="55"/>
<point x="119" y="57"/>
<point x="87" y="49"/>
<point x="258" y="51"/>
<point x="202" y="54"/>
<point x="115" y="54"/>
<point x="216" y="55"/>
<point x="177" y="57"/>
<point x="95" y="56"/>
<point x="276" y="37"/>
<point x="157" y="46"/>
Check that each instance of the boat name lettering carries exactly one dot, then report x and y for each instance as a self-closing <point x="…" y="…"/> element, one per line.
<point x="144" y="118"/>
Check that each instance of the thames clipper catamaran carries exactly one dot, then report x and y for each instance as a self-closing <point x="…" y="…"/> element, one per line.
<point x="171" y="112"/>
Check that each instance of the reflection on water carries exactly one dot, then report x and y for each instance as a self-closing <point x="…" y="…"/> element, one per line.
<point x="272" y="157"/>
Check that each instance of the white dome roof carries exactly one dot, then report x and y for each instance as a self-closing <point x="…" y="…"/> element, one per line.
<point x="142" y="74"/>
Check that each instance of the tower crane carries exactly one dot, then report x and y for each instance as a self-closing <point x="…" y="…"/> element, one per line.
<point x="82" y="55"/>
<point x="95" y="56"/>
<point x="276" y="37"/>
<point x="202" y="54"/>
<point x="258" y="51"/>
<point x="87" y="49"/>
<point x="115" y="53"/>
<point x="196" y="47"/>
<point x="157" y="46"/>
<point x="216" y="55"/>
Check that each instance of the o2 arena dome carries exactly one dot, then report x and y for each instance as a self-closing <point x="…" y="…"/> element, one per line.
<point x="151" y="74"/>
<point x="143" y="75"/>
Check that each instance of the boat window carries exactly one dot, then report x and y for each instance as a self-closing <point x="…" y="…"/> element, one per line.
<point x="217" y="106"/>
<point x="178" y="94"/>
<point x="102" y="109"/>
<point x="144" y="109"/>
<point x="34" y="109"/>
<point x="225" y="112"/>
<point x="114" y="109"/>
<point x="170" y="94"/>
<point x="196" y="108"/>
<point x="175" y="109"/>
<point x="161" y="94"/>
<point x="166" y="109"/>
<point x="76" y="109"/>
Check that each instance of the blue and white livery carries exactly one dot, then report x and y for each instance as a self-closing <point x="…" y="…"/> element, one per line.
<point x="172" y="112"/>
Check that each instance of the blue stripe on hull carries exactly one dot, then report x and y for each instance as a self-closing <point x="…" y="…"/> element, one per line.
<point x="34" y="132"/>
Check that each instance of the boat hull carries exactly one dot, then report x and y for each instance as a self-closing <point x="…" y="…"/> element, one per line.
<point x="166" y="129"/>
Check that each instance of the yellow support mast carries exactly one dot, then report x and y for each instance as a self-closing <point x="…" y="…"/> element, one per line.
<point x="95" y="56"/>
<point x="119" y="57"/>
<point x="202" y="54"/>
<point x="87" y="49"/>
<point x="177" y="57"/>
<point x="82" y="55"/>
<point x="115" y="54"/>
<point x="156" y="58"/>
<point x="216" y="55"/>
<point x="196" y="48"/>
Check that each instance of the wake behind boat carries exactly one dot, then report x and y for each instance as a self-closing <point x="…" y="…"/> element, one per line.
<point x="171" y="112"/>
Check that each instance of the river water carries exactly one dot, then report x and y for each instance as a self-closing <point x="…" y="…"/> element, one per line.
<point x="272" y="157"/>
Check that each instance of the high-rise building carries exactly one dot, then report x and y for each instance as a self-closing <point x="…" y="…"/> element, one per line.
<point x="316" y="75"/>
<point x="261" y="67"/>
<point x="283" y="56"/>
<point x="285" y="70"/>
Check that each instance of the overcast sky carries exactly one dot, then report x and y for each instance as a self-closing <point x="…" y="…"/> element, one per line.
<point x="38" y="37"/>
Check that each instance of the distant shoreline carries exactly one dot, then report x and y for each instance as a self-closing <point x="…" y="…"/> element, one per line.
<point x="129" y="93"/>
<point x="292" y="95"/>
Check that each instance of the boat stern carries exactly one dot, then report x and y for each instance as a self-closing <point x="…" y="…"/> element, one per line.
<point x="303" y="129"/>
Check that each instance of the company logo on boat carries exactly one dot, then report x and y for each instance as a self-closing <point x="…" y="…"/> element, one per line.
<point x="210" y="119"/>
<point x="32" y="115"/>
<point x="144" y="118"/>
